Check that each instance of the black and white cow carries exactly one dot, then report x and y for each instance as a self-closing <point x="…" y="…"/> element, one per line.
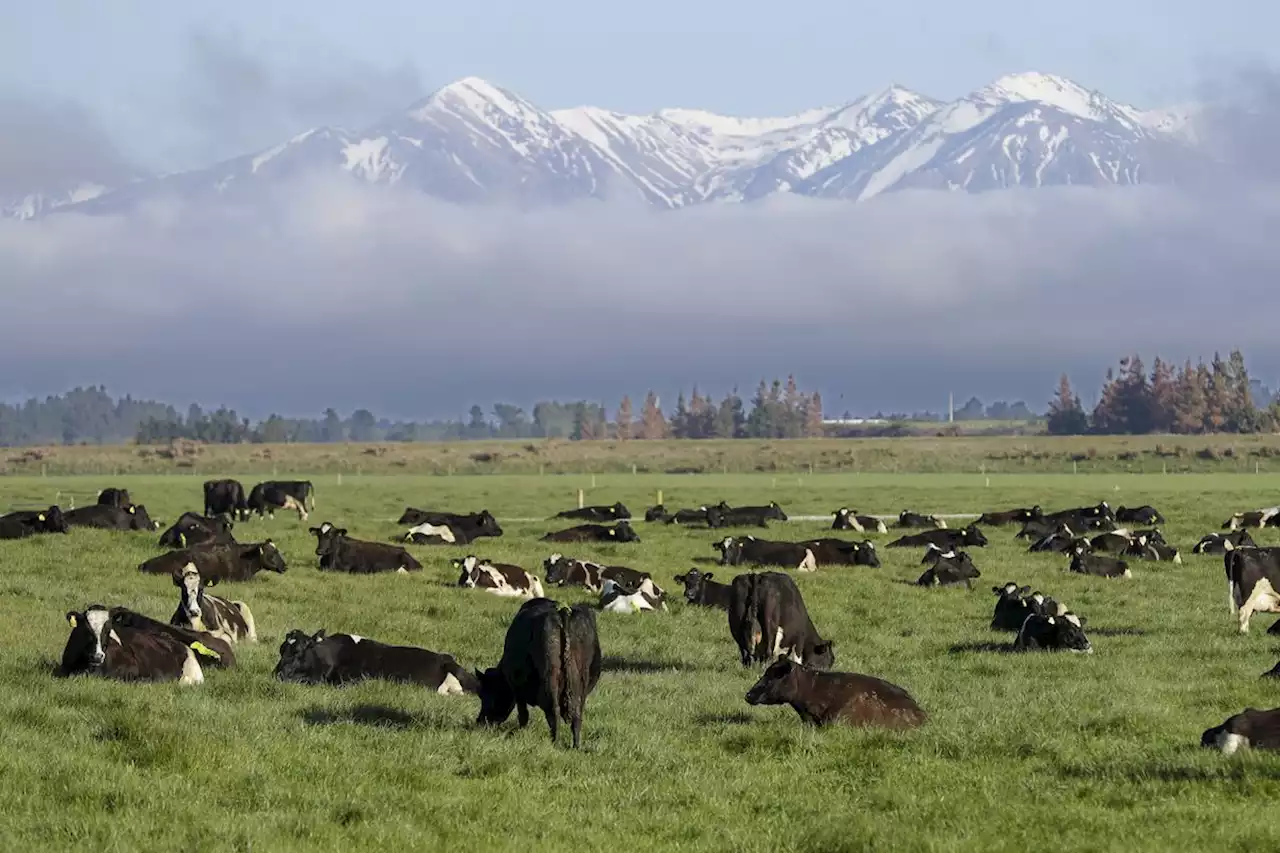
<point x="226" y="497"/>
<point x="907" y="518"/>
<point x="566" y="571"/>
<point x="829" y="697"/>
<point x="615" y="598"/>
<point x="1099" y="565"/>
<point x="1011" y="516"/>
<point x="339" y="553"/>
<point x="848" y="519"/>
<point x="1253" y="578"/>
<point x="1250" y="729"/>
<point x="220" y="563"/>
<point x="1013" y="605"/>
<point x="1063" y="632"/>
<point x="267" y="497"/>
<point x="616" y="512"/>
<point x="620" y="532"/>
<point x="1061" y="541"/>
<point x="502" y="579"/>
<point x="748" y="550"/>
<point x="105" y="517"/>
<point x="744" y="516"/>
<point x="951" y="569"/>
<point x="20" y="525"/>
<point x="211" y="650"/>
<point x="337" y="659"/>
<point x="838" y="552"/>
<point x="947" y="540"/>
<point x="550" y="659"/>
<point x="768" y="617"/>
<point x="1145" y="547"/>
<point x="442" y="528"/>
<point x="97" y="647"/>
<point x="1254" y="518"/>
<point x="1139" y="515"/>
<point x="112" y="496"/>
<point x="1221" y="543"/>
<point x="701" y="590"/>
<point x="199" y="611"/>
<point x="699" y="517"/>
<point x="191" y="529"/>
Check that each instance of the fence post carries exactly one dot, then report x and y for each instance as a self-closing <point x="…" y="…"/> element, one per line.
<point x="659" y="497"/>
<point x="339" y="478"/>
<point x="593" y="481"/>
<point x="633" y="469"/>
<point x="1073" y="467"/>
<point x="581" y="499"/>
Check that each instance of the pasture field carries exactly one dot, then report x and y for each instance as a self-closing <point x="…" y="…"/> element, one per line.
<point x="1036" y="751"/>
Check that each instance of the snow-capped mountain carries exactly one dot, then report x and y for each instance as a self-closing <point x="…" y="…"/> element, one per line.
<point x="473" y="142"/>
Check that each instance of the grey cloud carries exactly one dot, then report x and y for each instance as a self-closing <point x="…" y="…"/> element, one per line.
<point x="50" y="145"/>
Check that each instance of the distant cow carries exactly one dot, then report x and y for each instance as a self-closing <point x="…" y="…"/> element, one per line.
<point x="226" y="497"/>
<point x="566" y="571"/>
<point x="1061" y="541"/>
<point x="1086" y="563"/>
<point x="907" y="518"/>
<point x="838" y="552"/>
<point x="297" y="495"/>
<point x="1250" y="728"/>
<point x="1053" y="633"/>
<point x="828" y="697"/>
<point x="768" y="617"/>
<point x="200" y="611"/>
<point x="96" y="647"/>
<point x="1217" y="543"/>
<point x="615" y="598"/>
<point x="191" y="529"/>
<point x="1011" y="516"/>
<point x="700" y="517"/>
<point x="1254" y="518"/>
<point x="947" y="540"/>
<point x="1013" y="605"/>
<point x="745" y="516"/>
<point x="220" y="563"/>
<point x="337" y="659"/>
<point x="115" y="497"/>
<point x="748" y="550"/>
<point x="1146" y="548"/>
<point x="617" y="512"/>
<point x="340" y="554"/>
<point x="951" y="569"/>
<point x="437" y="528"/>
<point x="848" y="519"/>
<point x="1253" y="578"/>
<point x="111" y="518"/>
<point x="1139" y="515"/>
<point x="20" y="525"/>
<point x="498" y="578"/>
<point x="700" y="589"/>
<point x="550" y="659"/>
<point x="620" y="532"/>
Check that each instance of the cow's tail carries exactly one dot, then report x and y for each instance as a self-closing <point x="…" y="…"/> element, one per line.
<point x="310" y="498"/>
<point x="1235" y="598"/>
<point x="577" y="630"/>
<point x="251" y="629"/>
<point x="752" y="632"/>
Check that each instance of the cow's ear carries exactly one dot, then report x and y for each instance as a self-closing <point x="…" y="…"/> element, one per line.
<point x="40" y="517"/>
<point x="613" y="532"/>
<point x="213" y="581"/>
<point x="177" y="581"/>
<point x="315" y="531"/>
<point x="133" y="510"/>
<point x="341" y="531"/>
<point x="1051" y="622"/>
<point x="707" y="576"/>
<point x="71" y="618"/>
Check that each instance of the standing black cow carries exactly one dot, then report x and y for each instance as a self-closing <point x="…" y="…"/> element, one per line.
<point x="225" y="497"/>
<point x="114" y="497"/>
<point x="767" y="618"/>
<point x="550" y="659"/>
<point x="298" y="495"/>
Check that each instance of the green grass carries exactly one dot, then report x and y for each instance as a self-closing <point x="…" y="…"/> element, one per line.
<point x="1064" y="752"/>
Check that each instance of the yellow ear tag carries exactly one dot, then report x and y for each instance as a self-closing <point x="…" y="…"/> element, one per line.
<point x="201" y="649"/>
<point x="72" y="621"/>
<point x="613" y="533"/>
<point x="182" y="539"/>
<point x="40" y="517"/>
<point x="132" y="510"/>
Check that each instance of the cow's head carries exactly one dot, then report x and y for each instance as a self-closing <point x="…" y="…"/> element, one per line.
<point x="52" y="521"/>
<point x="469" y="567"/>
<point x="730" y="550"/>
<point x="1011" y="591"/>
<point x="269" y="557"/>
<point x="91" y="632"/>
<point x="1069" y="633"/>
<point x="496" y="697"/>
<point x="192" y="587"/>
<point x="299" y="657"/>
<point x="865" y="554"/>
<point x="622" y="532"/>
<point x="775" y="511"/>
<point x="619" y="510"/>
<point x="139" y="520"/>
<point x="655" y="513"/>
<point x="694" y="581"/>
<point x="486" y="524"/>
<point x="556" y="568"/>
<point x="843" y="520"/>
<point x="779" y="684"/>
<point x="973" y="536"/>
<point x="327" y="537"/>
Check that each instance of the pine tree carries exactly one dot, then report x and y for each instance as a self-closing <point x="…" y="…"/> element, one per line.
<point x="1163" y="397"/>
<point x="760" y="420"/>
<point x="1066" y="415"/>
<point x="730" y="421"/>
<point x="1107" y="415"/>
<point x="680" y="420"/>
<point x="813" y="417"/>
<point x="624" y="419"/>
<point x="1189" y="406"/>
<point x="652" y="423"/>
<point x="793" y="416"/>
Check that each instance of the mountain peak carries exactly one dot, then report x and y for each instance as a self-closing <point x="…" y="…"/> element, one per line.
<point x="1050" y="89"/>
<point x="471" y="95"/>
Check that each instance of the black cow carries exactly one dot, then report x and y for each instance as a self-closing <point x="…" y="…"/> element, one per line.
<point x="220" y="563"/>
<point x="1253" y="578"/>
<point x="617" y="512"/>
<point x="657" y="512"/>
<point x="1011" y="516"/>
<point x="1013" y="605"/>
<point x="226" y="497"/>
<point x="412" y="516"/>
<point x="1250" y="728"/>
<point x="1099" y="565"/>
<point x="444" y="528"/>
<point x="112" y="496"/>
<point x="947" y="540"/>
<point x="20" y="525"/>
<point x="1064" y="632"/>
<point x="838" y="552"/>
<point x="192" y="529"/>
<point x="700" y="589"/>
<point x="199" y="611"/>
<point x="907" y="518"/>
<point x="298" y="495"/>
<point x="210" y="649"/>
<point x="620" y="532"/>
<point x="566" y="571"/>
<point x="744" y="516"/>
<point x="97" y="647"/>
<point x="338" y="659"/>
<point x="1217" y="543"/>
<point x="1139" y="515"/>
<point x="828" y="697"/>
<point x="700" y="517"/>
<point x="950" y="570"/>
<point x="748" y="550"/>
<point x="1254" y="518"/>
<point x="1101" y="511"/>
<point x="550" y="659"/>
<point x="355" y="556"/>
<point x="848" y="519"/>
<point x="111" y="518"/>
<point x="767" y="618"/>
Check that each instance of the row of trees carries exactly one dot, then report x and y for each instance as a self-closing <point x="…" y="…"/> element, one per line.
<point x="1193" y="399"/>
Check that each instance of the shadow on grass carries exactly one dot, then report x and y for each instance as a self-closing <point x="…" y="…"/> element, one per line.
<point x="614" y="663"/>
<point x="1221" y="770"/>
<point x="737" y="718"/>
<point x="992" y="648"/>
<point x="1116" y="632"/>
<point x="379" y="716"/>
<point x="708" y="561"/>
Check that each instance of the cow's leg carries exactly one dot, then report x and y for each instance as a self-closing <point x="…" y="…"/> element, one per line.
<point x="1262" y="599"/>
<point x="808" y="564"/>
<point x="522" y="713"/>
<point x="553" y="722"/>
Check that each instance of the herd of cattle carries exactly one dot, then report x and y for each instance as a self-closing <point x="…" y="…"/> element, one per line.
<point x="551" y="656"/>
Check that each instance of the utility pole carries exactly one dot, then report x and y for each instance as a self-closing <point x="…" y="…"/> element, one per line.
<point x="951" y="407"/>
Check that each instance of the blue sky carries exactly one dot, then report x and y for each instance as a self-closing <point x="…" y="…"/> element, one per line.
<point x="131" y="61"/>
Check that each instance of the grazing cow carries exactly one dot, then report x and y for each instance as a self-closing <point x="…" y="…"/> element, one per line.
<point x="200" y="611"/>
<point x="744" y="516"/>
<point x="550" y="659"/>
<point x="700" y="589"/>
<point x="1062" y="632"/>
<point x="1250" y="728"/>
<point x="297" y="495"/>
<point x="118" y="498"/>
<point x="337" y="659"/>
<point x="1013" y="605"/>
<point x="1139" y="515"/>
<point x="97" y="647"/>
<point x="828" y="697"/>
<point x="950" y="569"/>
<point x="1253" y="576"/>
<point x="1146" y="548"/>
<point x="761" y="552"/>
<point x="211" y="649"/>
<point x="1218" y="543"/>
<point x="191" y="529"/>
<point x="617" y="512"/>
<point x="907" y="518"/>
<point x="838" y="552"/>
<point x="226" y="497"/>
<point x="1254" y="518"/>
<point x="947" y="540"/>
<point x="566" y="571"/>
<point x="339" y="554"/>
<point x="498" y="578"/>
<point x="220" y="563"/>
<point x="1059" y="542"/>
<point x="768" y="617"/>
<point x="1085" y="563"/>
<point x="1011" y="516"/>
<point x="111" y="518"/>
<point x="848" y="519"/>
<point x="20" y="525"/>
<point x="620" y="532"/>
<point x="615" y="598"/>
